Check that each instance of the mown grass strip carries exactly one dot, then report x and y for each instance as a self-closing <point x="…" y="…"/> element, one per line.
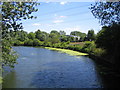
<point x="70" y="52"/>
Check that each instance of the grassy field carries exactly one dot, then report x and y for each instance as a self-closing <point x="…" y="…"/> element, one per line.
<point x="70" y="52"/>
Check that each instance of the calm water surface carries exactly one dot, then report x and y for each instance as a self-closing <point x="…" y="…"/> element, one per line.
<point x="42" y="68"/>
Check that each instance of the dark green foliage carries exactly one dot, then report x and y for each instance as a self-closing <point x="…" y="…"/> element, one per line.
<point x="55" y="32"/>
<point x="18" y="43"/>
<point x="109" y="39"/>
<point x="28" y="42"/>
<point x="31" y="35"/>
<point x="36" y="42"/>
<point x="42" y="36"/>
<point x="12" y="14"/>
<point x="8" y="55"/>
<point x="91" y="35"/>
<point x="107" y="12"/>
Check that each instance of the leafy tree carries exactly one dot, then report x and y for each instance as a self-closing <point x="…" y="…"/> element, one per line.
<point x="36" y="42"/>
<point x="31" y="35"/>
<point x="55" y="32"/>
<point x="62" y="33"/>
<point x="42" y="36"/>
<point x="109" y="37"/>
<point x="78" y="33"/>
<point x="54" y="38"/>
<point x="12" y="14"/>
<point x="21" y="35"/>
<point x="28" y="42"/>
<point x="37" y="34"/>
<point x="91" y="35"/>
<point x="63" y="38"/>
<point x="107" y="12"/>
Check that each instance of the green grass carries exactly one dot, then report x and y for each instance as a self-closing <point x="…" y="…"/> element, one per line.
<point x="0" y="80"/>
<point x="70" y="52"/>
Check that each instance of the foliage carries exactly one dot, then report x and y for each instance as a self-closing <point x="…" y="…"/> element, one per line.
<point x="18" y="43"/>
<point x="36" y="42"/>
<point x="107" y="12"/>
<point x="8" y="55"/>
<point x="109" y="39"/>
<point x="78" y="33"/>
<point x="1" y="80"/>
<point x="31" y="35"/>
<point x="28" y="42"/>
<point x="99" y="52"/>
<point x="55" y="32"/>
<point x="90" y="35"/>
<point x="12" y="14"/>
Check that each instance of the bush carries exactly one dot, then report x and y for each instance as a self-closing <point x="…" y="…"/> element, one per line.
<point x="28" y="42"/>
<point x="36" y="42"/>
<point x="18" y="43"/>
<point x="99" y="51"/>
<point x="89" y="47"/>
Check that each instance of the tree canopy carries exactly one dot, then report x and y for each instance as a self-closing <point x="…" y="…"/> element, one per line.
<point x="107" y="12"/>
<point x="12" y="14"/>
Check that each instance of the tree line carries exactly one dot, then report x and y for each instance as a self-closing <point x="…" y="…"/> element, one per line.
<point x="39" y="37"/>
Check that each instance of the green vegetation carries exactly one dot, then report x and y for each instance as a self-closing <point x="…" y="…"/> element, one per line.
<point x="109" y="37"/>
<point x="12" y="13"/>
<point x="70" y="52"/>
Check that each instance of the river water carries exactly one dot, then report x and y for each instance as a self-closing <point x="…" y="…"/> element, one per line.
<point x="42" y="68"/>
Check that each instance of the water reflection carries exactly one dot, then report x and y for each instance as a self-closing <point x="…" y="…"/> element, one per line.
<point x="42" y="68"/>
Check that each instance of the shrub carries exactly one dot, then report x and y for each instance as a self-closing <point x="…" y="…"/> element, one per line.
<point x="18" y="43"/>
<point x="28" y="42"/>
<point x="36" y="42"/>
<point x="99" y="51"/>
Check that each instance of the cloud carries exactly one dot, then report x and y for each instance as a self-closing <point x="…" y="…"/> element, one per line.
<point x="62" y="16"/>
<point x="57" y="21"/>
<point x="36" y="24"/>
<point x="63" y="3"/>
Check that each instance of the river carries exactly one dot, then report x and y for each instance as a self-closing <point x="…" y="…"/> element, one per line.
<point x="43" y="68"/>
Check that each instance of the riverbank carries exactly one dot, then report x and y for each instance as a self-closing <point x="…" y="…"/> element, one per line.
<point x="110" y="76"/>
<point x="70" y="52"/>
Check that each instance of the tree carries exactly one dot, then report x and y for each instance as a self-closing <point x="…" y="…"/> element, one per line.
<point x="12" y="14"/>
<point x="31" y="35"/>
<point x="20" y="35"/>
<point x="91" y="35"/>
<point x="107" y="12"/>
<point x="78" y="33"/>
<point x="55" y="32"/>
<point x="42" y="36"/>
<point x="62" y="32"/>
<point x="109" y="37"/>
<point x="54" y="38"/>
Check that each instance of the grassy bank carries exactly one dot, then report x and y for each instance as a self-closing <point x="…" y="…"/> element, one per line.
<point x="70" y="52"/>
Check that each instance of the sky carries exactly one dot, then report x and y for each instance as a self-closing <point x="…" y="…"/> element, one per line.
<point x="65" y="16"/>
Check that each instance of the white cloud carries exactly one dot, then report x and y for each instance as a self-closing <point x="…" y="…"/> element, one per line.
<point x="36" y="24"/>
<point x="62" y="3"/>
<point x="62" y="16"/>
<point x="57" y="21"/>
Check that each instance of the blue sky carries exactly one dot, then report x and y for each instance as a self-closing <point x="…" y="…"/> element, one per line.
<point x="67" y="16"/>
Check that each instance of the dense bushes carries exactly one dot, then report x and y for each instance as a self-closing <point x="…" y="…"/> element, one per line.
<point x="88" y="47"/>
